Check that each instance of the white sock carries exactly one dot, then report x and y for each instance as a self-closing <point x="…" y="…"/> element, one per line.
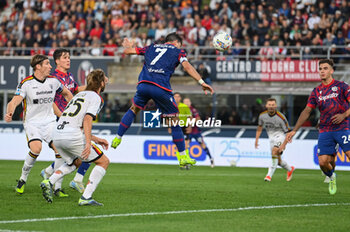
<point x="285" y="166"/>
<point x="62" y="171"/>
<point x="183" y="152"/>
<point x="273" y="167"/>
<point x="332" y="177"/>
<point x="28" y="164"/>
<point x="49" y="170"/>
<point x="78" y="178"/>
<point x="94" y="179"/>
<point x="58" y="163"/>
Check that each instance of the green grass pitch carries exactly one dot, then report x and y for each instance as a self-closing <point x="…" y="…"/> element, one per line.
<point x="130" y="191"/>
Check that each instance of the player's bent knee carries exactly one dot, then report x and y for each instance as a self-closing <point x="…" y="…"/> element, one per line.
<point x="77" y="162"/>
<point x="103" y="161"/>
<point x="134" y="109"/>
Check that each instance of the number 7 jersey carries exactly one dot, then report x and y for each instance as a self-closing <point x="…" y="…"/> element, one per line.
<point x="160" y="63"/>
<point x="84" y="103"/>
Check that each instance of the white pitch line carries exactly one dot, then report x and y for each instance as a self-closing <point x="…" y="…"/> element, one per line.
<point x="171" y="212"/>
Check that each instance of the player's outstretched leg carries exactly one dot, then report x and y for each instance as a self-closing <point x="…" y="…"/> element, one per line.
<point x="125" y="123"/>
<point x="332" y="187"/>
<point x="182" y="154"/>
<point x="290" y="169"/>
<point x="27" y="166"/>
<point x="272" y="169"/>
<point x="205" y="148"/>
<point x="95" y="178"/>
<point x="77" y="182"/>
<point x="48" y="171"/>
<point x="58" y="191"/>
<point x="46" y="187"/>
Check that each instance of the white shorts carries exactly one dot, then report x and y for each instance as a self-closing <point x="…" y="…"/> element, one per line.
<point x="42" y="132"/>
<point x="277" y="140"/>
<point x="71" y="150"/>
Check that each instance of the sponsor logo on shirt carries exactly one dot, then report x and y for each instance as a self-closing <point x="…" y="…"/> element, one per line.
<point x="43" y="92"/>
<point x="324" y="98"/>
<point x="43" y="100"/>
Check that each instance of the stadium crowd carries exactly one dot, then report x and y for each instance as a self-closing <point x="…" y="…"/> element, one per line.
<point x="97" y="27"/>
<point x="44" y="25"/>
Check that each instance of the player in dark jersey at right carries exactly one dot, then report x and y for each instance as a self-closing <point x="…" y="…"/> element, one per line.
<point x="154" y="83"/>
<point x="332" y="98"/>
<point x="196" y="131"/>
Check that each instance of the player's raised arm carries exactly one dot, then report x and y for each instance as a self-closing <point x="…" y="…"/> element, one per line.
<point x="56" y="110"/>
<point x="195" y="75"/>
<point x="305" y="114"/>
<point x="129" y="47"/>
<point x="67" y="94"/>
<point x="11" y="107"/>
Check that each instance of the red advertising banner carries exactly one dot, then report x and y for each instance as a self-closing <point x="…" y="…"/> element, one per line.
<point x="293" y="70"/>
<point x="278" y="70"/>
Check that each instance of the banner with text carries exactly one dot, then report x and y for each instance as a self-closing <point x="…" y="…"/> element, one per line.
<point x="226" y="151"/>
<point x="279" y="70"/>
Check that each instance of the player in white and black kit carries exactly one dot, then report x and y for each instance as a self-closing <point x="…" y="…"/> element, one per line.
<point x="73" y="138"/>
<point x="37" y="92"/>
<point x="276" y="126"/>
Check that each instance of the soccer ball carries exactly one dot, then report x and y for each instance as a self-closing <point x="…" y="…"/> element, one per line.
<point x="222" y="41"/>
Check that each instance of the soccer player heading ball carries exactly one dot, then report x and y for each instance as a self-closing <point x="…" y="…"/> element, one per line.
<point x="154" y="83"/>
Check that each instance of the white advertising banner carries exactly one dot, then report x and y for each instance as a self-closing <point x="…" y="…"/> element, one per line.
<point x="160" y="150"/>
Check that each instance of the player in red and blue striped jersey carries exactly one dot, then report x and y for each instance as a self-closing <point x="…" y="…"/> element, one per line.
<point x="332" y="98"/>
<point x="154" y="83"/>
<point x="62" y="60"/>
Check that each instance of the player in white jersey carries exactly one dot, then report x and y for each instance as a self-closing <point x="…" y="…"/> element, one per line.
<point x="72" y="138"/>
<point x="276" y="126"/>
<point x="37" y="93"/>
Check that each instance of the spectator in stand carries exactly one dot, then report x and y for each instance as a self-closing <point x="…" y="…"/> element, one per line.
<point x="110" y="48"/>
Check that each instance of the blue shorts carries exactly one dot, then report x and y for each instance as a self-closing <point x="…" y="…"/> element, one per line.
<point x="327" y="142"/>
<point x="198" y="137"/>
<point x="164" y="99"/>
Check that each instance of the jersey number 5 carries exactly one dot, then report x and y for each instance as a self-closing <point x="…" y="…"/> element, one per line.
<point x="75" y="103"/>
<point x="161" y="53"/>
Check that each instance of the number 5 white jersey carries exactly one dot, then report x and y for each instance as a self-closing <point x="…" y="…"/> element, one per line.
<point x="71" y="122"/>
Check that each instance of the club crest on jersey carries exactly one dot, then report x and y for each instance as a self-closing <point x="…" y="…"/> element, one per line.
<point x="334" y="88"/>
<point x="51" y="86"/>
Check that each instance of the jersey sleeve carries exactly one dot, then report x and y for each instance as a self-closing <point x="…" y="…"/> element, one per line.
<point x="59" y="86"/>
<point x="94" y="106"/>
<point x="21" y="90"/>
<point x="311" y="102"/>
<point x="346" y="91"/>
<point x="260" y="121"/>
<point x="141" y="51"/>
<point x="182" y="56"/>
<point x="285" y="124"/>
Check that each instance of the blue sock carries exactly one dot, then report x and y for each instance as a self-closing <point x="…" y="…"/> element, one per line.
<point x="329" y="173"/>
<point x="83" y="168"/>
<point x="207" y="151"/>
<point x="53" y="165"/>
<point x="178" y="138"/>
<point x="125" y="123"/>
